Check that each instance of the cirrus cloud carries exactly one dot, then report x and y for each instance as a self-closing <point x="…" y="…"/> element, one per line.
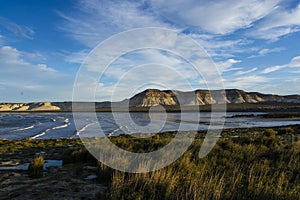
<point x="295" y="62"/>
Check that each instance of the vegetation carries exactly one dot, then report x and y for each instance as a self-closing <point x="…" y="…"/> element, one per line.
<point x="36" y="167"/>
<point x="28" y="148"/>
<point x="270" y="133"/>
<point x="291" y="109"/>
<point x="77" y="155"/>
<point x="256" y="163"/>
<point x="286" y="131"/>
<point x="258" y="167"/>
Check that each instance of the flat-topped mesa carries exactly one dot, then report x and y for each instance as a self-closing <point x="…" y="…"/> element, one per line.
<point x="152" y="97"/>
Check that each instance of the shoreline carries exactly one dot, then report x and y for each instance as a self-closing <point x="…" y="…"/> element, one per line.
<point x="199" y="132"/>
<point x="230" y="107"/>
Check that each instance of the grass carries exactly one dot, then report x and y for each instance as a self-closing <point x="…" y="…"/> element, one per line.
<point x="263" y="166"/>
<point x="260" y="163"/>
<point x="36" y="167"/>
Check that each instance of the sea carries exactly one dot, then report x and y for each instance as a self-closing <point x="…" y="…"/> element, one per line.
<point x="17" y="126"/>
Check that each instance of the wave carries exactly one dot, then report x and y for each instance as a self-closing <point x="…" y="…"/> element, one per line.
<point x="114" y="131"/>
<point x="84" y="128"/>
<point x="49" y="129"/>
<point x="121" y="128"/>
<point x="23" y="129"/>
<point x="62" y="126"/>
<point x="40" y="134"/>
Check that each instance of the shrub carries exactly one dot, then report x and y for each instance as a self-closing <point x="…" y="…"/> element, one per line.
<point x="80" y="155"/>
<point x="270" y="132"/>
<point x="286" y="131"/>
<point x="36" y="167"/>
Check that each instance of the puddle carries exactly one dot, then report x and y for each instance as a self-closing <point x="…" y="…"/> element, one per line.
<point x="48" y="163"/>
<point x="17" y="167"/>
<point x="53" y="163"/>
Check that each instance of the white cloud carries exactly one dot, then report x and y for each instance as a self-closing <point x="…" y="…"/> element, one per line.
<point x="18" y="30"/>
<point x="219" y="16"/>
<point x="10" y="55"/>
<point x="227" y="65"/>
<point x="96" y="20"/>
<point x="32" y="82"/>
<point x="76" y="57"/>
<point x="220" y="47"/>
<point x="148" y="68"/>
<point x="14" y="55"/>
<point x="146" y="76"/>
<point x="44" y="67"/>
<point x="293" y="80"/>
<point x="92" y="21"/>
<point x="245" y="72"/>
<point x="272" y="69"/>
<point x="263" y="52"/>
<point x="295" y="62"/>
<point x="153" y="57"/>
<point x="281" y="22"/>
<point x="279" y="86"/>
<point x="163" y="48"/>
<point x="34" y="56"/>
<point x="210" y="23"/>
<point x="250" y="83"/>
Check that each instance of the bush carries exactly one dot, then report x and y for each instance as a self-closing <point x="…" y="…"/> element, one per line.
<point x="36" y="167"/>
<point x="286" y="131"/>
<point x="270" y="132"/>
<point x="80" y="155"/>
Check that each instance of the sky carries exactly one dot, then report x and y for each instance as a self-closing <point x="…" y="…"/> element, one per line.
<point x="254" y="45"/>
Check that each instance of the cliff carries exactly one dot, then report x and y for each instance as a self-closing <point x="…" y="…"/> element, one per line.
<point x="40" y="106"/>
<point x="153" y="97"/>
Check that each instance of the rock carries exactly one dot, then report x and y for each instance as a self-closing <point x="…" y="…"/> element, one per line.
<point x="46" y="106"/>
<point x="90" y="168"/>
<point x="53" y="169"/>
<point x="91" y="177"/>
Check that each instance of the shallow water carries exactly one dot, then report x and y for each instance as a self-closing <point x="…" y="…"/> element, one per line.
<point x="61" y="125"/>
<point x="47" y="164"/>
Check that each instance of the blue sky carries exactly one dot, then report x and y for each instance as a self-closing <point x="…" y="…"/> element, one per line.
<point x="253" y="43"/>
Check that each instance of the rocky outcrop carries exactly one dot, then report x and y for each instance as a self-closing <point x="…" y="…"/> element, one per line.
<point x="152" y="97"/>
<point x="41" y="106"/>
